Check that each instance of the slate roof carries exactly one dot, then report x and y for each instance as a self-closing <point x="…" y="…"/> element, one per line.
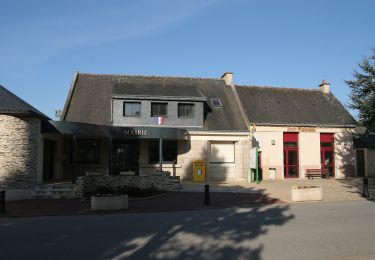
<point x="288" y="106"/>
<point x="90" y="96"/>
<point x="12" y="104"/>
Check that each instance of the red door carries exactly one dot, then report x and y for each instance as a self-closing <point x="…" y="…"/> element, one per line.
<point x="291" y="157"/>
<point x="291" y="163"/>
<point x="327" y="153"/>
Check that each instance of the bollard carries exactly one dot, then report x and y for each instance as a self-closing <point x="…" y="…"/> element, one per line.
<point x="365" y="188"/>
<point x="207" y="195"/>
<point x="174" y="167"/>
<point x="2" y="201"/>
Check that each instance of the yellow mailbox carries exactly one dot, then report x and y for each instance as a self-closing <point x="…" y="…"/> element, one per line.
<point x="199" y="170"/>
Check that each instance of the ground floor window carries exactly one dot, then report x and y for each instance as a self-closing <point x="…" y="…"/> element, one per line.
<point x="222" y="152"/>
<point x="169" y="151"/>
<point x="88" y="151"/>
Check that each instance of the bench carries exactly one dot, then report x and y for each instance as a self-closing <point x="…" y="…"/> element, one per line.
<point x="311" y="173"/>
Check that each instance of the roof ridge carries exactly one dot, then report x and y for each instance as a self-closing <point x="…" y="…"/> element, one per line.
<point x="278" y="88"/>
<point x="147" y="76"/>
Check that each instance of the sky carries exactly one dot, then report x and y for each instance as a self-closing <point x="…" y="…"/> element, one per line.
<point x="286" y="43"/>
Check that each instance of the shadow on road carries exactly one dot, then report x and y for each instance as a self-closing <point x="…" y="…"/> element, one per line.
<point x="204" y="234"/>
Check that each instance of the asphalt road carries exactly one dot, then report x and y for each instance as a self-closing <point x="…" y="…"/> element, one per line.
<point x="302" y="231"/>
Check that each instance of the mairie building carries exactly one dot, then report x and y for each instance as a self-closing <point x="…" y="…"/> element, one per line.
<point x="141" y="125"/>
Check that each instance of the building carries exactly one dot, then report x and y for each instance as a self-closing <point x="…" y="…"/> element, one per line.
<point x="364" y="148"/>
<point x="21" y="158"/>
<point x="299" y="129"/>
<point x="115" y="125"/>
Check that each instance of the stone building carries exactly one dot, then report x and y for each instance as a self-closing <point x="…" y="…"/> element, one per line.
<point x="21" y="161"/>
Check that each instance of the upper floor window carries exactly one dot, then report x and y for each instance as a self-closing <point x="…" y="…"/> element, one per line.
<point x="159" y="109"/>
<point x="132" y="108"/>
<point x="185" y="110"/>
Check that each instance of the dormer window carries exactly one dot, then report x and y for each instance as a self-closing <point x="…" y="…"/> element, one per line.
<point x="132" y="108"/>
<point x="159" y="109"/>
<point x="185" y="110"/>
<point x="216" y="102"/>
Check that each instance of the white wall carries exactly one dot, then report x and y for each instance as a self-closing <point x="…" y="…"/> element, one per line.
<point x="309" y="152"/>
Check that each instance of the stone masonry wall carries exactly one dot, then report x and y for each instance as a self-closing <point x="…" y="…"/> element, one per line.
<point x="157" y="180"/>
<point x="19" y="139"/>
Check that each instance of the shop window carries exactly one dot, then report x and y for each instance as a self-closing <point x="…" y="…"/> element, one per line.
<point x="132" y="108"/>
<point x="159" y="109"/>
<point x="185" y="110"/>
<point x="222" y="152"/>
<point x="169" y="151"/>
<point x="88" y="151"/>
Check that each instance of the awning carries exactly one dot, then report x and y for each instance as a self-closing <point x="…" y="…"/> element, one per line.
<point x="116" y="132"/>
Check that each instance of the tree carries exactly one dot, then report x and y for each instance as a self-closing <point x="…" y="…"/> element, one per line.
<point x="362" y="97"/>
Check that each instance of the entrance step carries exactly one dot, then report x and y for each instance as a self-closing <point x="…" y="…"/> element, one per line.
<point x="54" y="191"/>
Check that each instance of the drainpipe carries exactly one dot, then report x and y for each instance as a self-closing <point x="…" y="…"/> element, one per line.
<point x="110" y="156"/>
<point x="74" y="158"/>
<point x="160" y="154"/>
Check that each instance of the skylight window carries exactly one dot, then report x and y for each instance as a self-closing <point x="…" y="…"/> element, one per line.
<point x="216" y="102"/>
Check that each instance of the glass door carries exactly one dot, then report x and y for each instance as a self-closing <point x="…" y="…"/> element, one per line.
<point x="328" y="160"/>
<point x="291" y="163"/>
<point x="125" y="156"/>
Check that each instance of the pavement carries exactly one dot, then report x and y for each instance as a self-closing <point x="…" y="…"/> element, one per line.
<point x="348" y="189"/>
<point x="191" y="196"/>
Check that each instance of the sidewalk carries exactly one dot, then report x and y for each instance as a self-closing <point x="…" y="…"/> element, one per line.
<point x="348" y="189"/>
<point x="222" y="195"/>
<point x="168" y="202"/>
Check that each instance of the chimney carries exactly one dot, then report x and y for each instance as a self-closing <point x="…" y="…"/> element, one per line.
<point x="324" y="87"/>
<point x="228" y="77"/>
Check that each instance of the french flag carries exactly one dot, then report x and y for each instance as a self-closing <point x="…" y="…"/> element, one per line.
<point x="160" y="120"/>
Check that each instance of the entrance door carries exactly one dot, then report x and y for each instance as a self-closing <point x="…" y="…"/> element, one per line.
<point x="290" y="163"/>
<point x="328" y="160"/>
<point x="49" y="152"/>
<point x="360" y="163"/>
<point x="125" y="156"/>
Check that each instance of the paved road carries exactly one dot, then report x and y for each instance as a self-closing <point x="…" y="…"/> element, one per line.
<point x="299" y="231"/>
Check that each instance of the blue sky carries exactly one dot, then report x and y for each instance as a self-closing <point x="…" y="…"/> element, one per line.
<point x="291" y="43"/>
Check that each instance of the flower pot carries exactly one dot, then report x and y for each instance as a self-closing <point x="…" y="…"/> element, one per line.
<point x="109" y="203"/>
<point x="313" y="193"/>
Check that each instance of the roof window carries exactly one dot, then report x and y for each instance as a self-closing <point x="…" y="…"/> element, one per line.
<point x="216" y="102"/>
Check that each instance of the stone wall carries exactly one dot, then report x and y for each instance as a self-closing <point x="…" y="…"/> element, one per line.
<point x="157" y="180"/>
<point x="19" y="141"/>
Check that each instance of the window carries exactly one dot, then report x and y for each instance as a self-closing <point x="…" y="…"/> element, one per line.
<point x="88" y="151"/>
<point x="185" y="110"/>
<point x="216" y="102"/>
<point x="159" y="109"/>
<point x="222" y="152"/>
<point x="169" y="151"/>
<point x="132" y="108"/>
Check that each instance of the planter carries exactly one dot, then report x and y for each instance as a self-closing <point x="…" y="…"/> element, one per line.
<point x="109" y="203"/>
<point x="309" y="193"/>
